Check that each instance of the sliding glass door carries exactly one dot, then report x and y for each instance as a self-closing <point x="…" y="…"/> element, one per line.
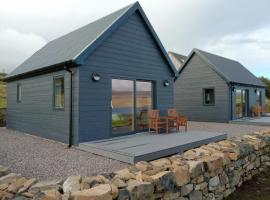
<point x="241" y="103"/>
<point x="144" y="102"/>
<point x="259" y="98"/>
<point x="122" y="106"/>
<point x="130" y="102"/>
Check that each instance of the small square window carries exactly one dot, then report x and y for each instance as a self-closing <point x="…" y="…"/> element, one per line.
<point x="19" y="92"/>
<point x="59" y="93"/>
<point x="209" y="96"/>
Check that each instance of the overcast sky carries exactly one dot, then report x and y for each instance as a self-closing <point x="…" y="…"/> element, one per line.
<point x="237" y="29"/>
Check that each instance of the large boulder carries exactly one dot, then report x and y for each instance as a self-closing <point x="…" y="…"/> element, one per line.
<point x="195" y="195"/>
<point x="73" y="183"/>
<point x="114" y="191"/>
<point x="201" y="186"/>
<point x="88" y="182"/>
<point x="170" y="195"/>
<point x="186" y="189"/>
<point x="125" y="174"/>
<point x="119" y="183"/>
<point x="161" y="164"/>
<point x="218" y="153"/>
<point x="223" y="178"/>
<point x="177" y="160"/>
<point x="234" y="177"/>
<point x="181" y="175"/>
<point x="231" y="149"/>
<point x="163" y="180"/>
<point x="196" y="168"/>
<point x="265" y="138"/>
<point x="16" y="185"/>
<point x="6" y="195"/>
<point x="143" y="166"/>
<point x="9" y="178"/>
<point x="123" y="194"/>
<point x="213" y="164"/>
<point x="100" y="192"/>
<point x="140" y="190"/>
<point x="46" y="185"/>
<point x="27" y="185"/>
<point x="140" y="176"/>
<point x="256" y="142"/>
<point x="210" y="196"/>
<point x="214" y="183"/>
<point x="48" y="195"/>
<point x="20" y="198"/>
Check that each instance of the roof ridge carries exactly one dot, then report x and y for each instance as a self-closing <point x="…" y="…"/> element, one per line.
<point x="94" y="21"/>
<point x="202" y="51"/>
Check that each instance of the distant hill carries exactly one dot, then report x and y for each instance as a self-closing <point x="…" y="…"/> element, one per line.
<point x="3" y="91"/>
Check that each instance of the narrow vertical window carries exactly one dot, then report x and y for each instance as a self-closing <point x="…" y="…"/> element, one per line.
<point x="19" y="92"/>
<point x="209" y="96"/>
<point x="59" y="94"/>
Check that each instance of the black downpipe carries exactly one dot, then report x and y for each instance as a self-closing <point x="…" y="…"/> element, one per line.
<point x="231" y="100"/>
<point x="71" y="107"/>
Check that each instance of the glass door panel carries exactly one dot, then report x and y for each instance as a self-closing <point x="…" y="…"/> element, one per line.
<point x="259" y="98"/>
<point x="144" y="102"/>
<point x="244" y="103"/>
<point x="239" y="107"/>
<point x="241" y="103"/>
<point x="122" y="106"/>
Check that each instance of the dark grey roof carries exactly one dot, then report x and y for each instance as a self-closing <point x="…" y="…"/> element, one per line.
<point x="69" y="46"/>
<point x="180" y="58"/>
<point x="232" y="71"/>
<point x="73" y="46"/>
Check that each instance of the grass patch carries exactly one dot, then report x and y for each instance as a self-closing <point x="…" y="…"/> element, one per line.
<point x="120" y="123"/>
<point x="3" y="92"/>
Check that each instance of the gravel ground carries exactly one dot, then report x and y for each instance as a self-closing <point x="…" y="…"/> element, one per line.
<point x="230" y="129"/>
<point x="41" y="158"/>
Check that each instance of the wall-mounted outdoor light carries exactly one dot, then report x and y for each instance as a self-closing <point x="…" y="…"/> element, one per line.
<point x="233" y="89"/>
<point x="95" y="76"/>
<point x="255" y="91"/>
<point x="166" y="83"/>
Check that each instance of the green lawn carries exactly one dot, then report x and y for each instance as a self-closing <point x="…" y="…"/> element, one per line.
<point x="3" y="92"/>
<point x="3" y="97"/>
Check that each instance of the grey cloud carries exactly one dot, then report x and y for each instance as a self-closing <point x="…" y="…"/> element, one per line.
<point x="181" y="25"/>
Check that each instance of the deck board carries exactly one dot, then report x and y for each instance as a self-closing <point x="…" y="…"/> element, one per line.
<point x="149" y="146"/>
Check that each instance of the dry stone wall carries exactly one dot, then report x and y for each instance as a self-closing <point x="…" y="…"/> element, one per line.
<point x="211" y="172"/>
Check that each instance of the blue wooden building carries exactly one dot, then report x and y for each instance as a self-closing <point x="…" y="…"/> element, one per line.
<point x="213" y="88"/>
<point x="93" y="83"/>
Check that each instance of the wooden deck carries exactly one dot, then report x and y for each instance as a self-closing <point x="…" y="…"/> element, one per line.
<point x="148" y="146"/>
<point x="257" y="121"/>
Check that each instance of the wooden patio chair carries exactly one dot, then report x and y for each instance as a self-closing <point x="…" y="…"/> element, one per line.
<point x="142" y="119"/>
<point x="256" y="111"/>
<point x="263" y="110"/>
<point x="155" y="123"/>
<point x="180" y="120"/>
